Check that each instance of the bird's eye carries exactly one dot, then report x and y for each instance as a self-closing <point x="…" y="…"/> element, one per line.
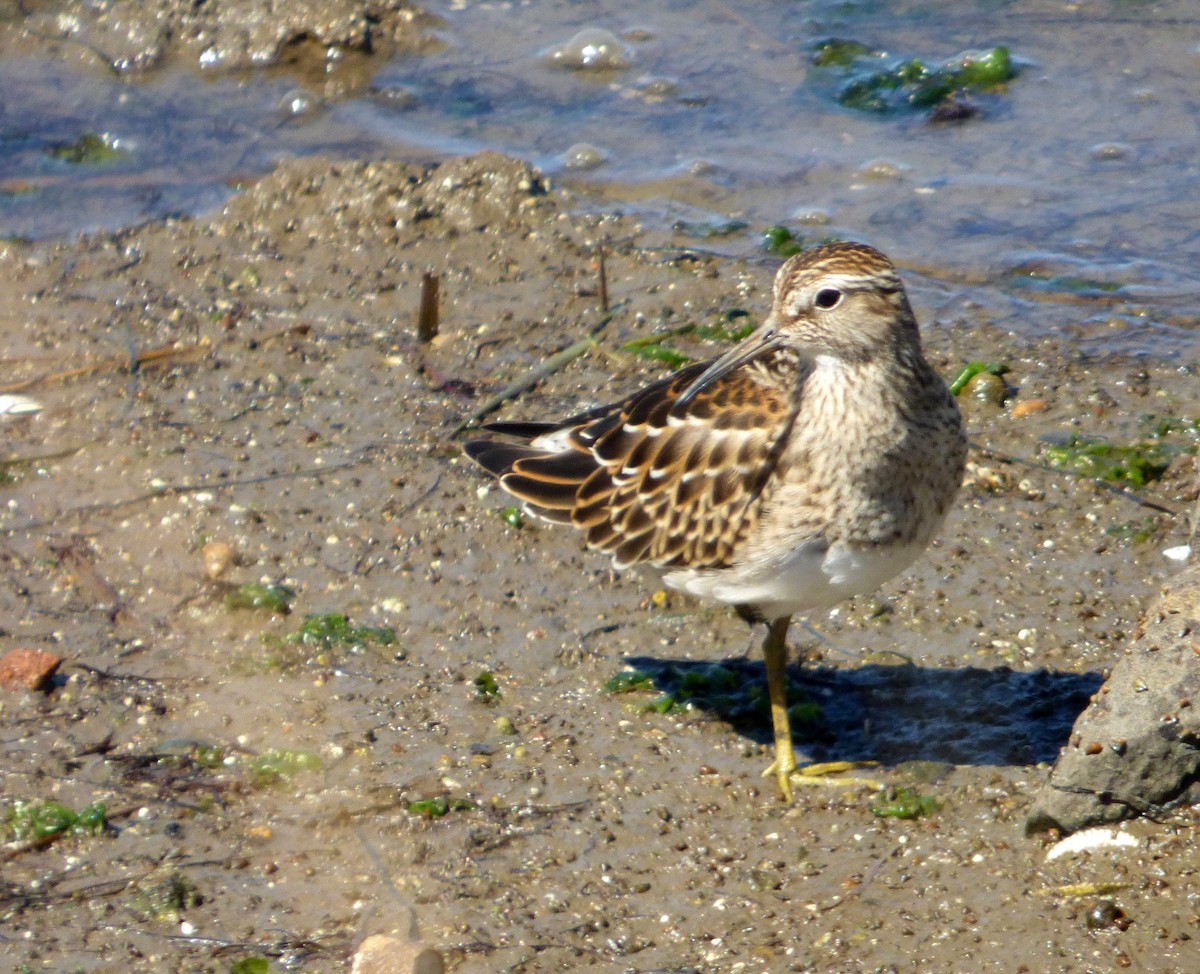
<point x="828" y="297"/>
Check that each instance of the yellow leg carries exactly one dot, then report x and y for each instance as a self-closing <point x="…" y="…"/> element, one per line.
<point x="775" y="651"/>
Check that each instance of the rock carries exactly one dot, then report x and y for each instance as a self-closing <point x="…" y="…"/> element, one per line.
<point x="1136" y="748"/>
<point x="28" y="669"/>
<point x="390" y="955"/>
<point x="1027" y="407"/>
<point x="219" y="557"/>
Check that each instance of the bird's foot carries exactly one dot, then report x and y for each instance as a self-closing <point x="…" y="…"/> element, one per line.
<point x="828" y="774"/>
<point x="824" y="774"/>
<point x="782" y="768"/>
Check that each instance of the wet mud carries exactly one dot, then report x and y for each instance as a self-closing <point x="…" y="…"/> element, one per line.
<point x="254" y="379"/>
<point x="133" y="37"/>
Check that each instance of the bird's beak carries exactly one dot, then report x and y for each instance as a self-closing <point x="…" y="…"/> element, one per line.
<point x="763" y="339"/>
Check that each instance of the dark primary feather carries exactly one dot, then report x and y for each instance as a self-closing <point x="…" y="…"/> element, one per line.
<point x="647" y="482"/>
<point x="526" y="431"/>
<point x="497" y="458"/>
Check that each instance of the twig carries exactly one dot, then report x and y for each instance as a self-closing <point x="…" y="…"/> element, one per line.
<point x="1194" y="533"/>
<point x="164" y="355"/>
<point x="42" y="457"/>
<point x="126" y="677"/>
<point x="603" y="275"/>
<point x="532" y="378"/>
<point x="427" y="317"/>
<point x="1034" y="465"/>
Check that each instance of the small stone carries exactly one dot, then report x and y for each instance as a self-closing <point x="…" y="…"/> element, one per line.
<point x="655" y="90"/>
<point x="584" y="155"/>
<point x="1106" y="914"/>
<point x="390" y="955"/>
<point x="28" y="669"/>
<point x="592" y="49"/>
<point x="812" y="217"/>
<point x="219" y="557"/>
<point x="1108" y="151"/>
<point x="298" y="102"/>
<point x="1027" y="407"/>
<point x="987" y="387"/>
<point x="883" y="170"/>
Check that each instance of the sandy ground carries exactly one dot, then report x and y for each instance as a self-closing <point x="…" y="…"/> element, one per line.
<point x="254" y="379"/>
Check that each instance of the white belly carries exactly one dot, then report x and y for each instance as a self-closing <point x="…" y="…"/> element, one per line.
<point x="809" y="577"/>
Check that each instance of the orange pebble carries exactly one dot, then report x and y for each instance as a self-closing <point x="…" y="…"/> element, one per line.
<point x="1027" y="407"/>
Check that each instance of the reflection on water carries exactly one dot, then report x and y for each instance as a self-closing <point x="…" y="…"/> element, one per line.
<point x="1067" y="201"/>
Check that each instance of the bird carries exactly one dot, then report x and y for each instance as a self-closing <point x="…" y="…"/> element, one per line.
<point x="811" y="462"/>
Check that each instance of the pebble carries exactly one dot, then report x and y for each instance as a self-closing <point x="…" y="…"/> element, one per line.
<point x="584" y="155"/>
<point x="390" y="955"/>
<point x="812" y="217"/>
<point x="219" y="557"/>
<point x="1106" y="914"/>
<point x="592" y="49"/>
<point x="988" y="388"/>
<point x="1107" y="151"/>
<point x="28" y="669"/>
<point x="298" y="102"/>
<point x="1027" y="407"/>
<point x="882" y="169"/>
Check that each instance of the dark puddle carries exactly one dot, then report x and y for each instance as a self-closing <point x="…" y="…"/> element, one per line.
<point x="891" y="714"/>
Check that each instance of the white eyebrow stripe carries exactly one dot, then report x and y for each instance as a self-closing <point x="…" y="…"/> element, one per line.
<point x="803" y="299"/>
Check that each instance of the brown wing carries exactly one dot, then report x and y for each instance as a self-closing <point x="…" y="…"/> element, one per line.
<point x="649" y="482"/>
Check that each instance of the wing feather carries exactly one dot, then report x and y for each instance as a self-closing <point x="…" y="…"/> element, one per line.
<point x="649" y="482"/>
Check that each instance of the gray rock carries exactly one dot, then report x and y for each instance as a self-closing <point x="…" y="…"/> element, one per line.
<point x="1136" y="749"/>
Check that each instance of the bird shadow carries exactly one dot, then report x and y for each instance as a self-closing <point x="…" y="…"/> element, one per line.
<point x="891" y="714"/>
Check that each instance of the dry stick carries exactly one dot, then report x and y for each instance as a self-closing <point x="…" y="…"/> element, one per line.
<point x="1129" y="495"/>
<point x="163" y="355"/>
<point x="42" y="457"/>
<point x="531" y="379"/>
<point x="427" y="317"/>
<point x="1194" y="532"/>
<point x="603" y="274"/>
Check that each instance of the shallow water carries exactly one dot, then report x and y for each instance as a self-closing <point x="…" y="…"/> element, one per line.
<point x="1068" y="206"/>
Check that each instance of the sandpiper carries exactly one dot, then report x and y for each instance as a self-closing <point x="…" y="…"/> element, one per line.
<point x="811" y="462"/>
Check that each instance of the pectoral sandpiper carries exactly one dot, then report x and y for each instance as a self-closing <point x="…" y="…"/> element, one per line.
<point x="811" y="462"/>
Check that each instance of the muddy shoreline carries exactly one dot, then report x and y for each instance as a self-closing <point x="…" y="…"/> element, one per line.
<point x="282" y="405"/>
<point x="249" y="384"/>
